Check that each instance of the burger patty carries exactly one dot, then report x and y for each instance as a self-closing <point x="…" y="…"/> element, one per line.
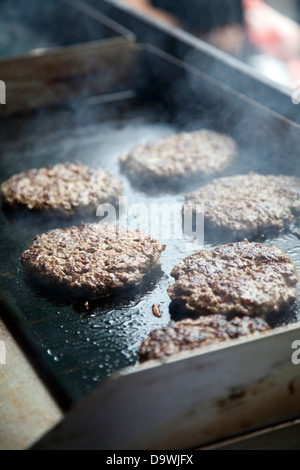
<point x="63" y="188"/>
<point x="239" y="278"/>
<point x="247" y="204"/>
<point x="180" y="156"/>
<point x="188" y="334"/>
<point x="91" y="260"/>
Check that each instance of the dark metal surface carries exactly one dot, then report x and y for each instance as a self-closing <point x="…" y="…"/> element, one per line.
<point x="52" y="52"/>
<point x="285" y="436"/>
<point x="74" y="348"/>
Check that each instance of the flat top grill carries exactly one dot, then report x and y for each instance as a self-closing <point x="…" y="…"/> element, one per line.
<point x="76" y="348"/>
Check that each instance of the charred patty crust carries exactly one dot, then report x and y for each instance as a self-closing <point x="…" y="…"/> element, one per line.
<point x="63" y="188"/>
<point x="247" y="205"/>
<point x="239" y="278"/>
<point x="91" y="260"/>
<point x="188" y="334"/>
<point x="180" y="156"/>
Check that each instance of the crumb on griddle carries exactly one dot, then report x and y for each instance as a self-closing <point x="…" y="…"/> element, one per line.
<point x="156" y="310"/>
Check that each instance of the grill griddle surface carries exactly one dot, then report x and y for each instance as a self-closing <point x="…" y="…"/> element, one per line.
<point x="75" y="347"/>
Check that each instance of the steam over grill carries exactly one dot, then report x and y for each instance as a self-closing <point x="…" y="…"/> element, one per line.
<point x="130" y="93"/>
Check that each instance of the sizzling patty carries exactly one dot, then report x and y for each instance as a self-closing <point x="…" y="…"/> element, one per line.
<point x="187" y="335"/>
<point x="248" y="204"/>
<point x="180" y="156"/>
<point x="91" y="260"/>
<point x="239" y="278"/>
<point x="63" y="188"/>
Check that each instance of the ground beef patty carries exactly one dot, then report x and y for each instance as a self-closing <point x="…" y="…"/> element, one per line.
<point x="179" y="157"/>
<point x="91" y="260"/>
<point x="240" y="278"/>
<point x="188" y="334"/>
<point x="247" y="205"/>
<point x="63" y="188"/>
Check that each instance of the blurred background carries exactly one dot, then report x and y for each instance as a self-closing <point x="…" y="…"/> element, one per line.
<point x="263" y="33"/>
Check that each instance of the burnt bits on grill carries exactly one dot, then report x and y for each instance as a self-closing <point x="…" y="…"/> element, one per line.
<point x="64" y="189"/>
<point x="91" y="261"/>
<point x="236" y="279"/>
<point x="188" y="334"/>
<point x="248" y="206"/>
<point x="180" y="158"/>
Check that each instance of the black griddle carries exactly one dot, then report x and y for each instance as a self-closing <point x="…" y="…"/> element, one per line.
<point x="75" y="348"/>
